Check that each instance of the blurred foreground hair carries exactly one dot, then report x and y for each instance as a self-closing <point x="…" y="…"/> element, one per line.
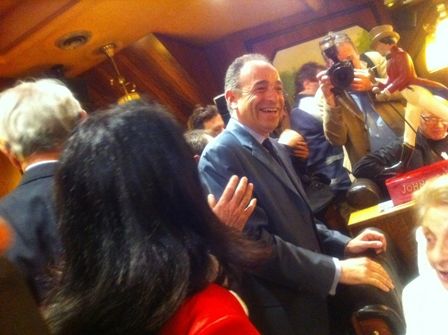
<point x="138" y="234"/>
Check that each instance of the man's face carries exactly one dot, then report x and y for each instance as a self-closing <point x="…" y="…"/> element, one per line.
<point x="311" y="86"/>
<point x="346" y="52"/>
<point x="382" y="48"/>
<point x="435" y="229"/>
<point x="259" y="103"/>
<point x="215" y="125"/>
<point x="433" y="127"/>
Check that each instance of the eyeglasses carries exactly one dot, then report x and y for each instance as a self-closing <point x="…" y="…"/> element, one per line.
<point x="431" y="120"/>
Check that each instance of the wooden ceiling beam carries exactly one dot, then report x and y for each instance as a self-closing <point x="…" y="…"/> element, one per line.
<point x="315" y="5"/>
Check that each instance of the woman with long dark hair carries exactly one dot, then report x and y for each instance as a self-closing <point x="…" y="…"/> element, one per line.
<point x="141" y="246"/>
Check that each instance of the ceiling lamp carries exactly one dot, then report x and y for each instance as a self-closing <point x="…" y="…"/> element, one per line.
<point x="128" y="88"/>
<point x="437" y="42"/>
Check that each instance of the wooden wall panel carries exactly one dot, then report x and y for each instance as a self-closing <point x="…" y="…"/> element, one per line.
<point x="31" y="16"/>
<point x="195" y="62"/>
<point x="180" y="74"/>
<point x="9" y="176"/>
<point x="156" y="73"/>
<point x="274" y="36"/>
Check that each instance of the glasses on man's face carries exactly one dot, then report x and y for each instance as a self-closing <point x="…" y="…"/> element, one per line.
<point x="432" y="120"/>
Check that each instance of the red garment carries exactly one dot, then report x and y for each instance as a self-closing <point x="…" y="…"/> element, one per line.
<point x="212" y="311"/>
<point x="401" y="72"/>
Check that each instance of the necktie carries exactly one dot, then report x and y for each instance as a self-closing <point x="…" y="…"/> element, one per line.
<point x="270" y="148"/>
<point x="267" y="144"/>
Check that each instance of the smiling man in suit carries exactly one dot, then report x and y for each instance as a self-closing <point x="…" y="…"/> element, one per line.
<point x="35" y="120"/>
<point x="288" y="294"/>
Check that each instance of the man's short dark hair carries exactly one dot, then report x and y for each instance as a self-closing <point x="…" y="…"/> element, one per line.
<point x="307" y="71"/>
<point x="197" y="139"/>
<point x="200" y="115"/>
<point x="389" y="40"/>
<point x="232" y="78"/>
<point x="338" y="39"/>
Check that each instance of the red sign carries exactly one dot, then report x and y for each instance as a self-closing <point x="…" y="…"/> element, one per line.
<point x="402" y="186"/>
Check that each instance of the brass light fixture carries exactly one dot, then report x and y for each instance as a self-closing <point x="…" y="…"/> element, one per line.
<point x="128" y="88"/>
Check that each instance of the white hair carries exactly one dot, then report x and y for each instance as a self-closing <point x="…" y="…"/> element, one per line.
<point x="37" y="116"/>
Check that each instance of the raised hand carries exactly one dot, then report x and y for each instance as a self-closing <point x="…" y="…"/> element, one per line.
<point x="236" y="204"/>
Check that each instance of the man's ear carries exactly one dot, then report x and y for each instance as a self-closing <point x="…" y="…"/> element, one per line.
<point x="231" y="99"/>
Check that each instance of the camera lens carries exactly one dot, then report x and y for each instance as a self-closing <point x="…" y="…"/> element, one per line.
<point x="341" y="74"/>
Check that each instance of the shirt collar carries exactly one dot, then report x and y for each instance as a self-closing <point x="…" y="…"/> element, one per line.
<point x="259" y="138"/>
<point x="40" y="163"/>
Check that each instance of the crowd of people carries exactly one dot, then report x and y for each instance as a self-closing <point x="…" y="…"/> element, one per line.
<point x="125" y="223"/>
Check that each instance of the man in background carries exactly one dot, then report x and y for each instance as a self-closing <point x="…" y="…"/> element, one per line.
<point x="207" y="118"/>
<point x="352" y="116"/>
<point x="36" y="118"/>
<point x="324" y="158"/>
<point x="431" y="146"/>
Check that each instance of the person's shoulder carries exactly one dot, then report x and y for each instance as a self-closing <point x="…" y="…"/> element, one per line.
<point x="210" y="311"/>
<point x="227" y="139"/>
<point x="11" y="200"/>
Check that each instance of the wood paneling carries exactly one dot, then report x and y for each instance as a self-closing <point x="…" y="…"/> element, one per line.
<point x="9" y="176"/>
<point x="180" y="74"/>
<point x="280" y="34"/>
<point x="156" y="73"/>
<point x="195" y="62"/>
<point x="26" y="17"/>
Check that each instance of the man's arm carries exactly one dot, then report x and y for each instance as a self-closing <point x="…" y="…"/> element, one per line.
<point x="290" y="265"/>
<point x="372" y="165"/>
<point x="335" y="129"/>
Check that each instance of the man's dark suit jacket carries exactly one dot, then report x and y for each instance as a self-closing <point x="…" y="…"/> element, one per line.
<point x="288" y="296"/>
<point x="29" y="209"/>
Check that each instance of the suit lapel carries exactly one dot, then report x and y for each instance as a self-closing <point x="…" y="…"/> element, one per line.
<point x="286" y="159"/>
<point x="347" y="101"/>
<point x="284" y="174"/>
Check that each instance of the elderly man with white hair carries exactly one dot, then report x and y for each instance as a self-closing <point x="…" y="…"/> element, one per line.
<point x="35" y="120"/>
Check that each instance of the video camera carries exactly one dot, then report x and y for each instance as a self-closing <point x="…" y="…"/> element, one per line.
<point x="341" y="73"/>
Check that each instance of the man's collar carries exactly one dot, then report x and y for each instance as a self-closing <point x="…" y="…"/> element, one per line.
<point x="259" y="138"/>
<point x="39" y="163"/>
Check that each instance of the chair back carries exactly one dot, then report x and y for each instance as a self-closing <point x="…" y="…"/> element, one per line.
<point x="378" y="320"/>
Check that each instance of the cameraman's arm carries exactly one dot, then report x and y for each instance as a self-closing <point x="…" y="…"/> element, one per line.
<point x="326" y="88"/>
<point x="334" y="127"/>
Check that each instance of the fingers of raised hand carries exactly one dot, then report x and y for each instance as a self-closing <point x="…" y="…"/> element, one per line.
<point x="211" y="200"/>
<point x="230" y="188"/>
<point x="246" y="194"/>
<point x="246" y="213"/>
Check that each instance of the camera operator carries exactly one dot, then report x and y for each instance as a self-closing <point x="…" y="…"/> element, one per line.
<point x="352" y="117"/>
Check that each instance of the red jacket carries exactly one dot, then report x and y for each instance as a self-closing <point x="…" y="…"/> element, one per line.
<point x="212" y="311"/>
<point x="401" y="72"/>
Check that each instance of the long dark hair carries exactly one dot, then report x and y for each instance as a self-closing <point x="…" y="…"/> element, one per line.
<point x="136" y="228"/>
